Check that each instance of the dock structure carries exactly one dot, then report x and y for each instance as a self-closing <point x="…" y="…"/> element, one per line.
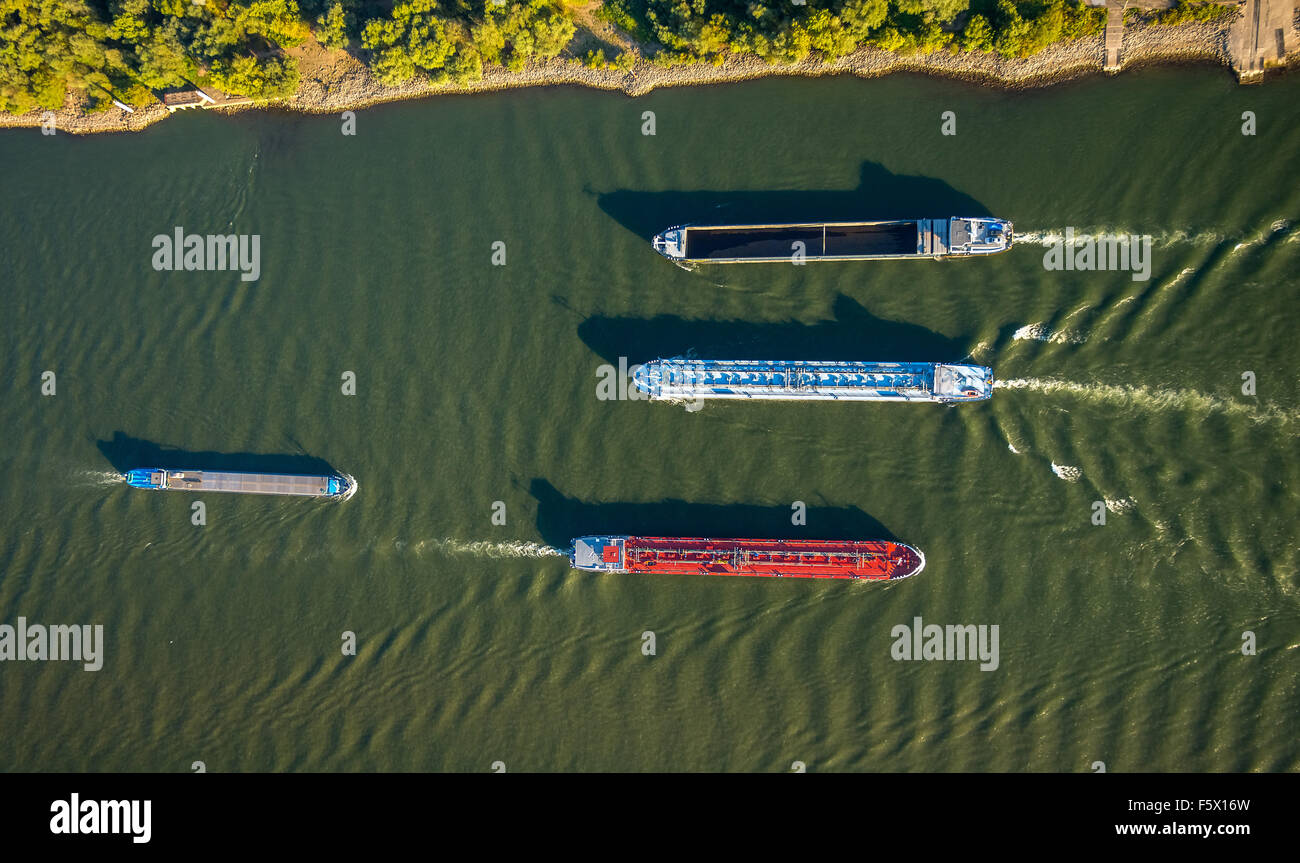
<point x="1114" y="33"/>
<point x="1263" y="35"/>
<point x="183" y="99"/>
<point x="197" y="98"/>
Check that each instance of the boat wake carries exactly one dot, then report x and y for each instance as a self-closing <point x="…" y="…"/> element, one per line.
<point x="1182" y="274"/>
<point x="1281" y="227"/>
<point x="977" y="352"/>
<point x="1040" y="333"/>
<point x="1123" y="504"/>
<point x="492" y="550"/>
<point x="1147" y="398"/>
<point x="1244" y="239"/>
<point x="1067" y="472"/>
<point x="99" y="477"/>
<point x="1052" y="236"/>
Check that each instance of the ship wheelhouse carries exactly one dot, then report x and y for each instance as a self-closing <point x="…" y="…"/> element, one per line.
<point x="598" y="553"/>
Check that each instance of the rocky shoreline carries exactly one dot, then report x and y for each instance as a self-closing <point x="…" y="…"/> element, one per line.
<point x="333" y="81"/>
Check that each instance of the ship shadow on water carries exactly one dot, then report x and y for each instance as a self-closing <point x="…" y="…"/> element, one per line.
<point x="125" y="452"/>
<point x="854" y="334"/>
<point x="880" y="195"/>
<point x="560" y="519"/>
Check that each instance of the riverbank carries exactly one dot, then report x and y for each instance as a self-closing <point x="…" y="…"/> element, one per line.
<point x="333" y="81"/>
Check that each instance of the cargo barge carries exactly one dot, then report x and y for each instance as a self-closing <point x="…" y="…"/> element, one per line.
<point x="871" y="560"/>
<point x="681" y="379"/>
<point x="338" y="486"/>
<point x="834" y="241"/>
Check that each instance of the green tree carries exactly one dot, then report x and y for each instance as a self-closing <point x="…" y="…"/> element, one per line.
<point x="130" y="21"/>
<point x="1012" y="30"/>
<point x="412" y="40"/>
<point x="51" y="47"/>
<point x="1044" y="28"/>
<point x="488" y="39"/>
<point x="333" y="27"/>
<point x="977" y="35"/>
<point x="466" y="65"/>
<point x="246" y="75"/>
<point x="933" y="10"/>
<point x="276" y="20"/>
<point x="161" y="60"/>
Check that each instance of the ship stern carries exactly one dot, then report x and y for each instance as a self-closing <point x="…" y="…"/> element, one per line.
<point x="990" y="236"/>
<point x="146" y="477"/>
<point x="598" y="553"/>
<point x="954" y="382"/>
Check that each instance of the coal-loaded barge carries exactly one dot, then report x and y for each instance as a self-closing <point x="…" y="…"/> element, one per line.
<point x="682" y="379"/>
<point x="834" y="241"/>
<point x="339" y="486"/>
<point x="874" y="560"/>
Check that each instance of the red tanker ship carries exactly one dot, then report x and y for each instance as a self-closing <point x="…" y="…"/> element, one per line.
<point x="870" y="560"/>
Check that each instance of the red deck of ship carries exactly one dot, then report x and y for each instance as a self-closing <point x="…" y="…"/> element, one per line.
<point x="791" y="558"/>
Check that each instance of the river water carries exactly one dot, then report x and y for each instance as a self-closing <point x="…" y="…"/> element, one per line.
<point x="476" y="393"/>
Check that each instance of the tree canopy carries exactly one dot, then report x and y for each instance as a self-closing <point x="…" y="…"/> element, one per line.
<point x="132" y="49"/>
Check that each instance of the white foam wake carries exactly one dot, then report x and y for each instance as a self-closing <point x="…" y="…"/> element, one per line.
<point x="1182" y="274"/>
<point x="1148" y="398"/>
<point x="1040" y="333"/>
<point x="1067" y="472"/>
<point x="495" y="550"/>
<point x="99" y="477"/>
<point x="1051" y="236"/>
<point x="1281" y="226"/>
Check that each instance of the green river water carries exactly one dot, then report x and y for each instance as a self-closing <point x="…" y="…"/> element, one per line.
<point x="476" y="383"/>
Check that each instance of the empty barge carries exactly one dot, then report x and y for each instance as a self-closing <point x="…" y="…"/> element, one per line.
<point x="872" y="560"/>
<point x="681" y="379"/>
<point x="834" y="241"/>
<point x="338" y="486"/>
